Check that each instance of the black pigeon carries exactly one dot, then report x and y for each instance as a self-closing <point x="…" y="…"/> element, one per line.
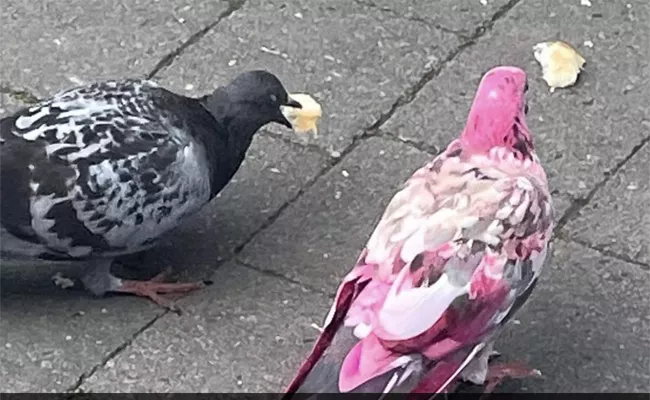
<point x="104" y="170"/>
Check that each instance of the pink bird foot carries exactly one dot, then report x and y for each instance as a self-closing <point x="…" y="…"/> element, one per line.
<point x="156" y="286"/>
<point x="514" y="370"/>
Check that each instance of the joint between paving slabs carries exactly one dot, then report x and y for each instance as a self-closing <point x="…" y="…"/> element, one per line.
<point x="278" y="275"/>
<point x="463" y="35"/>
<point x="418" y="145"/>
<point x="562" y="235"/>
<point x="411" y="93"/>
<point x="578" y="204"/>
<point x="80" y="381"/>
<point x="168" y="60"/>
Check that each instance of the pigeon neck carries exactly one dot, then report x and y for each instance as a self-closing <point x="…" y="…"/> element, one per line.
<point x="237" y="135"/>
<point x="240" y="123"/>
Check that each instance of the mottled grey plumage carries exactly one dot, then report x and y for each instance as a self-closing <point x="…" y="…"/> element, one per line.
<point x="104" y="170"/>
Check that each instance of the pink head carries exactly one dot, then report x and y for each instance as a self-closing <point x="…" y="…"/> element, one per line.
<point x="498" y="114"/>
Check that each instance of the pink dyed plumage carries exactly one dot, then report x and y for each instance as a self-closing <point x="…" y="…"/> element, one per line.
<point x="457" y="252"/>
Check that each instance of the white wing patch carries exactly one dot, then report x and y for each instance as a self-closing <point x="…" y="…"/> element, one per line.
<point x="411" y="312"/>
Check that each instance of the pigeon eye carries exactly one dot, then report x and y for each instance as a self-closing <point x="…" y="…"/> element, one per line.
<point x="274" y="98"/>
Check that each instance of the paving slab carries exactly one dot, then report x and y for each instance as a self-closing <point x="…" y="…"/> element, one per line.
<point x="246" y="333"/>
<point x="353" y="59"/>
<point x="617" y="218"/>
<point x="580" y="132"/>
<point x="459" y="16"/>
<point x="53" y="45"/>
<point x="32" y="308"/>
<point x="318" y="238"/>
<point x="585" y="326"/>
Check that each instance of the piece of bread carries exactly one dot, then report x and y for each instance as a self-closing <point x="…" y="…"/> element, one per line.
<point x="560" y="63"/>
<point x="303" y="119"/>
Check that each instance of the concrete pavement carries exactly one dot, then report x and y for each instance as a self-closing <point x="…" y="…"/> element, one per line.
<point x="395" y="79"/>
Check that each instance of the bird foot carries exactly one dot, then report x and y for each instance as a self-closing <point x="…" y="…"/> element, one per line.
<point x="156" y="286"/>
<point x="514" y="370"/>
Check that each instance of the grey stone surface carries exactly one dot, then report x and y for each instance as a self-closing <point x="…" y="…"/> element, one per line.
<point x="319" y="237"/>
<point x="50" y="336"/>
<point x="355" y="60"/>
<point x="581" y="132"/>
<point x="460" y="16"/>
<point x="617" y="218"/>
<point x="37" y="317"/>
<point x="245" y="333"/>
<point x="54" y="44"/>
<point x="585" y="326"/>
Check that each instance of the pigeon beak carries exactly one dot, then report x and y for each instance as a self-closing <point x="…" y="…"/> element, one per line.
<point x="281" y="119"/>
<point x="292" y="103"/>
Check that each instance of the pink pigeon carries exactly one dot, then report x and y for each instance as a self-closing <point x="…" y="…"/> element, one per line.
<point x="457" y="252"/>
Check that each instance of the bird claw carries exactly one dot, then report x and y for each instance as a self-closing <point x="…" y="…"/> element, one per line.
<point x="497" y="373"/>
<point x="154" y="287"/>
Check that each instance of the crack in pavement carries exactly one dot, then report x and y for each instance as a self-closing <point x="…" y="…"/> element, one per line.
<point x="418" y="145"/>
<point x="578" y="204"/>
<point x="168" y="60"/>
<point x="603" y="250"/>
<point x="278" y="275"/>
<point x="25" y="96"/>
<point x="410" y="94"/>
<point x="113" y="354"/>
<point x="461" y="34"/>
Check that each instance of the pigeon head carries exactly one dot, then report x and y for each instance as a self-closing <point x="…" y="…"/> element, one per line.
<point x="497" y="117"/>
<point x="260" y="96"/>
